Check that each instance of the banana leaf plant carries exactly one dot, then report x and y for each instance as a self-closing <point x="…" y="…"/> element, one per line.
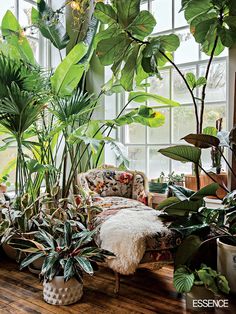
<point x="70" y="255"/>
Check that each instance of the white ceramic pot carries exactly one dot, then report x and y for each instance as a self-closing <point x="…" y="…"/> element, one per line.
<point x="198" y="293"/>
<point x="226" y="263"/>
<point x="58" y="292"/>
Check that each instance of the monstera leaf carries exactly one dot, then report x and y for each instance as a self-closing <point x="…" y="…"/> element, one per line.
<point x="49" y="27"/>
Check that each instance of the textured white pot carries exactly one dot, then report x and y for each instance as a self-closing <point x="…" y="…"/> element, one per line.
<point x="226" y="263"/>
<point x="58" y="292"/>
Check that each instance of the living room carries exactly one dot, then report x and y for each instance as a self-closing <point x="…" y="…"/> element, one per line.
<point x="118" y="156"/>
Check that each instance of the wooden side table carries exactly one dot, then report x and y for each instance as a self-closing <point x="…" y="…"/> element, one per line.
<point x="156" y="199"/>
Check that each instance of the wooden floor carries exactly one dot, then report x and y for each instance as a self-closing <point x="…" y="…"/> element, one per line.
<point x="145" y="292"/>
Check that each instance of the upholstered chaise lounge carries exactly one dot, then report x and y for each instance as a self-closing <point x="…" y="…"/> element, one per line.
<point x="114" y="190"/>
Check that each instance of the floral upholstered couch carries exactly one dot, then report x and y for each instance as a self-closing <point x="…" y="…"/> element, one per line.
<point x="112" y="190"/>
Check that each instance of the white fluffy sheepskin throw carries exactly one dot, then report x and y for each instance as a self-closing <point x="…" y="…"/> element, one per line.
<point x="125" y="235"/>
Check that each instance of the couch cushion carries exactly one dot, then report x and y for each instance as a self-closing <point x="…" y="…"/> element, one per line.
<point x="110" y="183"/>
<point x="163" y="240"/>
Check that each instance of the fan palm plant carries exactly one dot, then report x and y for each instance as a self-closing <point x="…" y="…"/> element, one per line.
<point x="22" y="98"/>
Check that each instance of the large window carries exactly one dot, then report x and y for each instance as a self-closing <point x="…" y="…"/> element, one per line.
<point x="22" y="10"/>
<point x="143" y="143"/>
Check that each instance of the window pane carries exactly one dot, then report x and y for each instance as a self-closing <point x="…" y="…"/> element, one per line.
<point x="188" y="50"/>
<point x="213" y="113"/>
<point x="35" y="46"/>
<point x="25" y="16"/>
<point x="137" y="158"/>
<point x="157" y="163"/>
<point x="179" y="16"/>
<point x="7" y="157"/>
<point x="160" y="87"/>
<point x="183" y="122"/>
<point x="180" y="91"/>
<point x="180" y="167"/>
<point x="162" y="11"/>
<point x="144" y="6"/>
<point x="6" y="5"/>
<point x="135" y="134"/>
<point x="160" y="135"/>
<point x="216" y="86"/>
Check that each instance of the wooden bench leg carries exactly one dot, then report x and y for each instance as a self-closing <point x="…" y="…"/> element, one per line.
<point x="117" y="283"/>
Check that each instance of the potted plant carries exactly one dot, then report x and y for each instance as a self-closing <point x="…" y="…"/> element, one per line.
<point x="158" y="185"/>
<point x="199" y="284"/>
<point x="66" y="258"/>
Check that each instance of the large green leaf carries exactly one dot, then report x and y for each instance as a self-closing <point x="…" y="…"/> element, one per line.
<point x="183" y="280"/>
<point x="208" y="190"/>
<point x="110" y="49"/>
<point x="144" y="96"/>
<point x="128" y="72"/>
<point x="142" y="25"/>
<point x="183" y="153"/>
<point x="195" y="7"/>
<point x="50" y="29"/>
<point x="105" y="13"/>
<point x="202" y="140"/>
<point x="15" y="37"/>
<point x="186" y="250"/>
<point x="69" y="72"/>
<point x="127" y="10"/>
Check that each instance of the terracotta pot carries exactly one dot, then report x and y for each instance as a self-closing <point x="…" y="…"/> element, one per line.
<point x="226" y="262"/>
<point x="58" y="292"/>
<point x="198" y="293"/>
<point x="191" y="183"/>
<point x="10" y="252"/>
<point x="3" y="188"/>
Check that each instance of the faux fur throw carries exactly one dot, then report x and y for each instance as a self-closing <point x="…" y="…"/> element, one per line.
<point x="125" y="235"/>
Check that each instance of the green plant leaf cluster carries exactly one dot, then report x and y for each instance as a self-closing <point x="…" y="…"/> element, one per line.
<point x="125" y="45"/>
<point x="49" y="25"/>
<point x="17" y="45"/>
<point x="212" y="23"/>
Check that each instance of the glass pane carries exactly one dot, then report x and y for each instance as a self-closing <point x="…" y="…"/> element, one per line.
<point x="157" y="163"/>
<point x="144" y="5"/>
<point x="188" y="50"/>
<point x="216" y="86"/>
<point x="162" y="11"/>
<point x="6" y="5"/>
<point x="180" y="91"/>
<point x="137" y="158"/>
<point x="8" y="156"/>
<point x="35" y="46"/>
<point x="160" y="135"/>
<point x="183" y="122"/>
<point x="135" y="134"/>
<point x="179" y="16"/>
<point x="25" y="17"/>
<point x="213" y="113"/>
<point x="180" y="167"/>
<point x="224" y="53"/>
<point x="160" y="87"/>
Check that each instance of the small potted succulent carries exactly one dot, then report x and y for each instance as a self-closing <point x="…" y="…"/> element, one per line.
<point x="201" y="284"/>
<point x="66" y="258"/>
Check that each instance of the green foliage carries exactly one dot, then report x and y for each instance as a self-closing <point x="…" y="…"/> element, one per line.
<point x="183" y="279"/>
<point x="124" y="45"/>
<point x="183" y="153"/>
<point x="69" y="254"/>
<point x="193" y="82"/>
<point x="49" y="25"/>
<point x="16" y="40"/>
<point x="144" y="96"/>
<point x="212" y="24"/>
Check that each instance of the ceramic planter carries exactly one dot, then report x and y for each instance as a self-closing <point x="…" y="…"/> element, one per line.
<point x="226" y="262"/>
<point x="198" y="293"/>
<point x="58" y="292"/>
